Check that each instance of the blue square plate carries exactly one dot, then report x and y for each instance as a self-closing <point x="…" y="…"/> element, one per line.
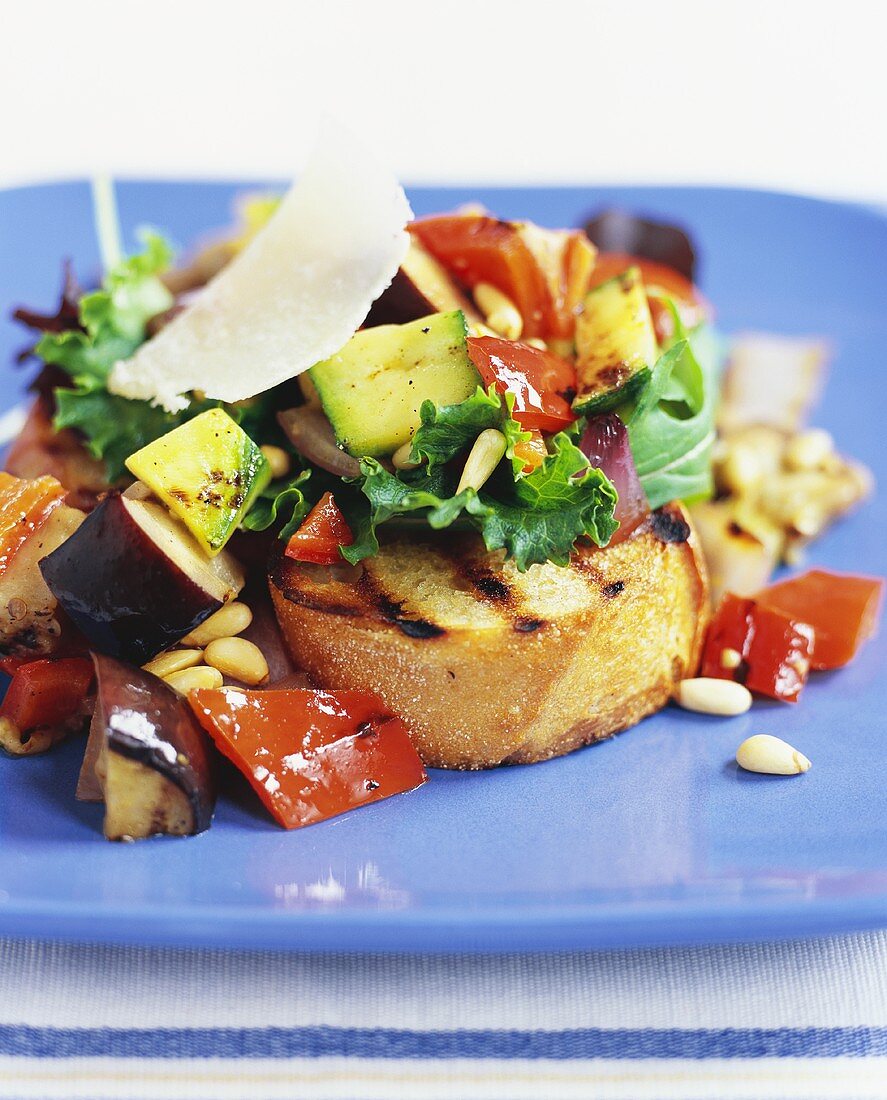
<point x="654" y="836"/>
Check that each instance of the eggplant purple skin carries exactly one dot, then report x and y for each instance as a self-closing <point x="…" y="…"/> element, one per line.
<point x="120" y="590"/>
<point x="147" y="721"/>
<point x="618" y="231"/>
<point x="401" y="301"/>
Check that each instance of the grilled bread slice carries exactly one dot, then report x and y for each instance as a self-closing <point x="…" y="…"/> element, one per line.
<point x="491" y="666"/>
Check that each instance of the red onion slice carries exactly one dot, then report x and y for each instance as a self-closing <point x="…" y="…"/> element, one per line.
<point x="309" y="431"/>
<point x="605" y="444"/>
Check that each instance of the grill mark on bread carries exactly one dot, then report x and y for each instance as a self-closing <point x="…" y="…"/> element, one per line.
<point x="492" y="588"/>
<point x="391" y="610"/>
<point x="489" y="586"/>
<point x="613" y="589"/>
<point x="523" y="624"/>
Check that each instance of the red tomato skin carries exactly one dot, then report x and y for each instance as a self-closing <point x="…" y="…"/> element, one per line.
<point x="481" y="249"/>
<point x="537" y="379"/>
<point x="47" y="692"/>
<point x="320" y="536"/>
<point x="843" y="609"/>
<point x="775" y="649"/>
<point x="311" y="755"/>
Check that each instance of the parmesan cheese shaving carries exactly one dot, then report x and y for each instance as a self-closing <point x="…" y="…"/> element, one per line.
<point x="293" y="297"/>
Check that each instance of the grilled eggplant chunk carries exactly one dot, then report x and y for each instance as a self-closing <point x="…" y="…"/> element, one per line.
<point x="491" y="666"/>
<point x="147" y="757"/>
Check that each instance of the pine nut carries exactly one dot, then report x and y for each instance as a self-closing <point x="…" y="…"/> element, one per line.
<point x="770" y="756"/>
<point x="188" y="679"/>
<point x="175" y="660"/>
<point x="537" y="342"/>
<point x="229" y="620"/>
<point x="730" y="658"/>
<point x="238" y="658"/>
<point x="710" y="696"/>
<point x="808" y="520"/>
<point x="809" y="449"/>
<point x="472" y="210"/>
<point x="500" y="312"/>
<point x="484" y="457"/>
<point x="740" y="470"/>
<point x="277" y="459"/>
<point x="400" y="460"/>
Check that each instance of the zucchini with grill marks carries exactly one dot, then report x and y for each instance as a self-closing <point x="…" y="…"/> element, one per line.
<point x="615" y="344"/>
<point x="372" y="390"/>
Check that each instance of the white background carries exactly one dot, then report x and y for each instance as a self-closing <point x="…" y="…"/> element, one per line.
<point x="789" y="95"/>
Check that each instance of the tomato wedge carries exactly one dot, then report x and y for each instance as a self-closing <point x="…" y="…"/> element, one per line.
<point x="661" y="282"/>
<point x="24" y="506"/>
<point x="47" y="693"/>
<point x="310" y="755"/>
<point x="480" y="249"/>
<point x="765" y="649"/>
<point x="538" y="380"/>
<point x="842" y="608"/>
<point x="320" y="536"/>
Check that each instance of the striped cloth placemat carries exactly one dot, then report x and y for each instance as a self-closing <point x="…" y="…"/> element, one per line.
<point x="796" y="1020"/>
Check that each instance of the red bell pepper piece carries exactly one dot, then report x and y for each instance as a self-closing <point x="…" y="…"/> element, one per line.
<point x="545" y="272"/>
<point x="773" y="650"/>
<point x="538" y="380"/>
<point x="308" y="754"/>
<point x="320" y="536"/>
<point x="481" y="249"/>
<point x="47" y="692"/>
<point x="24" y="507"/>
<point x="842" y="608"/>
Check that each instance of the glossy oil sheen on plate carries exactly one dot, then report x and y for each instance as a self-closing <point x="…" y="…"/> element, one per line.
<point x="652" y="837"/>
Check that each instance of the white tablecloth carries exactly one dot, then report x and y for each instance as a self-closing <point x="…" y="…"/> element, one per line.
<point x="802" y="1020"/>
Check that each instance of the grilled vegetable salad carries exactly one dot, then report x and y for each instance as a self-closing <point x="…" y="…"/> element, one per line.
<point x="509" y="383"/>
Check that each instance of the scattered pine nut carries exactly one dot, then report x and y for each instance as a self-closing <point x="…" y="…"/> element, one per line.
<point x="770" y="756"/>
<point x="808" y="450"/>
<point x="741" y="468"/>
<point x="237" y="658"/>
<point x="537" y="342"/>
<point x="730" y="658"/>
<point x="229" y="620"/>
<point x="483" y="458"/>
<point x="472" y="210"/>
<point x="707" y="695"/>
<point x="188" y="679"/>
<point x="277" y="459"/>
<point x="400" y="460"/>
<point x="174" y="660"/>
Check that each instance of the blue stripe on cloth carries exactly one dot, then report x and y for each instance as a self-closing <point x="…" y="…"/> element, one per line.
<point x="318" y="1042"/>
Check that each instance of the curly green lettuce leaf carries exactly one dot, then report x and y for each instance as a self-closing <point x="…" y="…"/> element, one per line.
<point x="114" y="323"/>
<point x="535" y="519"/>
<point x="450" y="430"/>
<point x="114" y="318"/>
<point x="281" y="501"/>
<point x="113" y="427"/>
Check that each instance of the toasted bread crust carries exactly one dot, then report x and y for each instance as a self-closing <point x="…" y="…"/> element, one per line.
<point x="490" y="666"/>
